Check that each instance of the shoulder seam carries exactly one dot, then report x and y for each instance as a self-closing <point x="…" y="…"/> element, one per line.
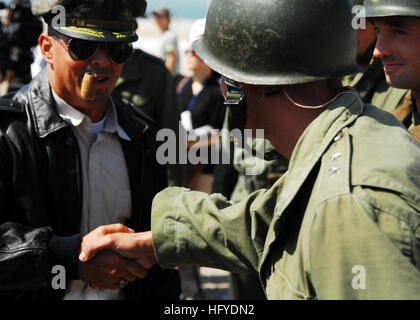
<point x="369" y="203"/>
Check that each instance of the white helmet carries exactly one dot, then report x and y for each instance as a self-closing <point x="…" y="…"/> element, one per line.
<point x="197" y="30"/>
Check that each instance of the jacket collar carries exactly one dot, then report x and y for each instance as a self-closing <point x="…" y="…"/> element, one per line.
<point x="79" y="119"/>
<point x="315" y="141"/>
<point x="310" y="148"/>
<point x="47" y="120"/>
<point x="42" y="106"/>
<point x="321" y="132"/>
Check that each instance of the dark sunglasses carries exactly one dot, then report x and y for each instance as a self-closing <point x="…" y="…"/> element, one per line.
<point x="84" y="50"/>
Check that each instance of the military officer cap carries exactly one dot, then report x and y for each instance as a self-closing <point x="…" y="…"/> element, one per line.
<point x="95" y="20"/>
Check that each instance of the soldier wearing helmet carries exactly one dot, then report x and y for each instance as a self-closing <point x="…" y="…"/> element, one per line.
<point x="371" y="83"/>
<point x="75" y="156"/>
<point x="397" y="26"/>
<point x="343" y="222"/>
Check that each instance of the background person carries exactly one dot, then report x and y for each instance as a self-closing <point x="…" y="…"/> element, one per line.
<point x="147" y="83"/>
<point x="371" y="83"/>
<point x="202" y="111"/>
<point x="201" y="105"/>
<point x="20" y="33"/>
<point x="169" y="42"/>
<point x="398" y="32"/>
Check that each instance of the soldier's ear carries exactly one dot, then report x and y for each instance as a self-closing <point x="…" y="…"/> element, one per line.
<point x="45" y="44"/>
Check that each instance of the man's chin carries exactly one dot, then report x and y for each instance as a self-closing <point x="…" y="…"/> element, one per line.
<point x="397" y="82"/>
<point x="98" y="98"/>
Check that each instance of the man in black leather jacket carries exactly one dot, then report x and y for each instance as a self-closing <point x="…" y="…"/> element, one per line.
<point x="50" y="195"/>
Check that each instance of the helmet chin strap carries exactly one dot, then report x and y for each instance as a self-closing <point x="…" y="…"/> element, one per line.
<point x="273" y="154"/>
<point x="313" y="107"/>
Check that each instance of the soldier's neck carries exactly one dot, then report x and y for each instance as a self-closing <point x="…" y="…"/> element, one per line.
<point x="288" y="121"/>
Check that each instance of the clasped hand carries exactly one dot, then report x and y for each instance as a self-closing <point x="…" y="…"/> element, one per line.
<point x="114" y="252"/>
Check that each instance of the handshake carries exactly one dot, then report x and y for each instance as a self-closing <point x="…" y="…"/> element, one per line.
<point x="113" y="255"/>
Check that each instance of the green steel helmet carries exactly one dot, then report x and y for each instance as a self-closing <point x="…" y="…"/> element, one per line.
<point x="274" y="42"/>
<point x="389" y="8"/>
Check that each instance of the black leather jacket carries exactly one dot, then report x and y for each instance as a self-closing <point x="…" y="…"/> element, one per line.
<point x="41" y="193"/>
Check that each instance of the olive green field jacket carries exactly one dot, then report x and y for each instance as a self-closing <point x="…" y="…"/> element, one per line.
<point x="342" y="223"/>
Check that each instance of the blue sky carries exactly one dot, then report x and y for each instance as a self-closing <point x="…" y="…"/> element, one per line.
<point x="193" y="9"/>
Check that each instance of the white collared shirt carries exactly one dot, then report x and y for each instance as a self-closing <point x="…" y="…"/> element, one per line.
<point x="106" y="187"/>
